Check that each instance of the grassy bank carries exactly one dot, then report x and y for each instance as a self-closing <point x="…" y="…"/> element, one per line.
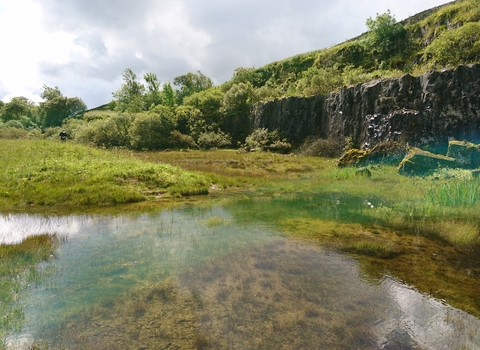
<point x="48" y="173"/>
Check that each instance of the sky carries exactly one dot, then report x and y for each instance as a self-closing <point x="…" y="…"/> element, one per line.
<point x="84" y="46"/>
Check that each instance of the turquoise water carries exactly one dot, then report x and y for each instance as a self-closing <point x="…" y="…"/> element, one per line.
<point x="216" y="277"/>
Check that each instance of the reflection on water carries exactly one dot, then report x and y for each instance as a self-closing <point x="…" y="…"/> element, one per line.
<point x="197" y="278"/>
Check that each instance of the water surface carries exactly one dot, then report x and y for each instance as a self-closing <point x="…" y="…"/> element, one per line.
<point x="204" y="277"/>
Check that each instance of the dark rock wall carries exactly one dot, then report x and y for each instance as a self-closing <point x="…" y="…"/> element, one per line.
<point x="295" y="117"/>
<point x="425" y="110"/>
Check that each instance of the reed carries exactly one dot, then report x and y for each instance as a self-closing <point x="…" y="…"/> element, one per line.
<point x="454" y="193"/>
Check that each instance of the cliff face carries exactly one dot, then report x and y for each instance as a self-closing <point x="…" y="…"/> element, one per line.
<point x="428" y="109"/>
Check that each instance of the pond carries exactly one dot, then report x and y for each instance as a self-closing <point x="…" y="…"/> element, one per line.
<point x="218" y="276"/>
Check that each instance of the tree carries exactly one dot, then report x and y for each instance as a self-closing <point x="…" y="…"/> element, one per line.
<point x="191" y="83"/>
<point x="207" y="101"/>
<point x="152" y="96"/>
<point x="190" y="121"/>
<point x="22" y="109"/>
<point x="152" y="130"/>
<point x="56" y="107"/>
<point x="168" y="95"/>
<point x="238" y="99"/>
<point x="130" y="95"/>
<point x="385" y="36"/>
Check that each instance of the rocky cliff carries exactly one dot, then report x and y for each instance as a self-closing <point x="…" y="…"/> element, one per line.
<point x="426" y="110"/>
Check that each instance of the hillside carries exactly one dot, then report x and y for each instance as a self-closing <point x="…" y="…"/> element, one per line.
<point x="441" y="37"/>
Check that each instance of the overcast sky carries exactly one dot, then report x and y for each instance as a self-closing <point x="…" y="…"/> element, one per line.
<point x="83" y="46"/>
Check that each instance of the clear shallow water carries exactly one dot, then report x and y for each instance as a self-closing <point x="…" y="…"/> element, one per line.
<point x="199" y="278"/>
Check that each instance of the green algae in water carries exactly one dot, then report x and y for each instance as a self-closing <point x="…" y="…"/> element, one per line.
<point x="226" y="277"/>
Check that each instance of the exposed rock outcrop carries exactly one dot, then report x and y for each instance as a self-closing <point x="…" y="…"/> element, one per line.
<point x="466" y="154"/>
<point x="390" y="153"/>
<point x="418" y="162"/>
<point x="426" y="110"/>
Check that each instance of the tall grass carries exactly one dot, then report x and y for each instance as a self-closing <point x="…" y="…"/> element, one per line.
<point x="455" y="193"/>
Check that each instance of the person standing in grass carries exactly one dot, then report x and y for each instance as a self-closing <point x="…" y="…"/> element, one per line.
<point x="63" y="136"/>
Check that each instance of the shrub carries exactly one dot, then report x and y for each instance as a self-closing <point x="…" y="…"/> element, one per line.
<point x="13" y="124"/>
<point x="329" y="148"/>
<point x="316" y="81"/>
<point x="152" y="130"/>
<point x="263" y="140"/>
<point x="109" y="132"/>
<point x="12" y="133"/>
<point x="52" y="132"/>
<point x="211" y="139"/>
<point x="179" y="140"/>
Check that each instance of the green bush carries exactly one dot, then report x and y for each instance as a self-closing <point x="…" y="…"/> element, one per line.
<point x="13" y="124"/>
<point x="12" y="133"/>
<point x="329" y="148"/>
<point x="179" y="140"/>
<point x="212" y="139"/>
<point x="152" y="130"/>
<point x="108" y="132"/>
<point x="263" y="140"/>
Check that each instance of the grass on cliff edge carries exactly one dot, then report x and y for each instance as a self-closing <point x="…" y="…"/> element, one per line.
<point x="43" y="172"/>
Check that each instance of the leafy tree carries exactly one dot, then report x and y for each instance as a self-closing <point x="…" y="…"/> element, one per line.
<point x="22" y="109"/>
<point x="50" y="93"/>
<point x="168" y="95"/>
<point x="245" y="75"/>
<point x="191" y="83"/>
<point x="190" y="121"/>
<point x="130" y="95"/>
<point x="153" y="96"/>
<point x="56" y="107"/>
<point x="152" y="130"/>
<point x="385" y="37"/>
<point x="238" y="99"/>
<point x="207" y="101"/>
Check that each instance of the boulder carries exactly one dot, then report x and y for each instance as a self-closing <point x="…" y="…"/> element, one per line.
<point x="419" y="162"/>
<point x="466" y="154"/>
<point x="351" y="157"/>
<point x="389" y="153"/>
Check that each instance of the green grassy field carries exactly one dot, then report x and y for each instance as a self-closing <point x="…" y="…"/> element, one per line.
<point x="48" y="173"/>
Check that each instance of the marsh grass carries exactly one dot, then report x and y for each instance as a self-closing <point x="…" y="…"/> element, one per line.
<point x="454" y="193"/>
